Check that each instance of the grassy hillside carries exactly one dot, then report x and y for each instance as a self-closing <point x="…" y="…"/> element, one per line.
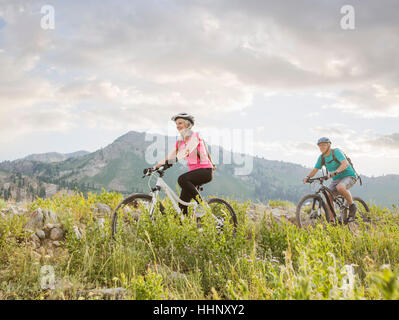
<point x="166" y="259"/>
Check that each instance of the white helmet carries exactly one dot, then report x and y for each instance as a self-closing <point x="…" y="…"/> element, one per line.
<point x="185" y="116"/>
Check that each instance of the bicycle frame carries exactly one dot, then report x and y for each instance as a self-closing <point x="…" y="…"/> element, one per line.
<point x="336" y="199"/>
<point x="162" y="185"/>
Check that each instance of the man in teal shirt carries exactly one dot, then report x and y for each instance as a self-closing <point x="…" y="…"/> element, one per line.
<point x="342" y="174"/>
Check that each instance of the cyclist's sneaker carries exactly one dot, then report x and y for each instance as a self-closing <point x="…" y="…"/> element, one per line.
<point x="352" y="212"/>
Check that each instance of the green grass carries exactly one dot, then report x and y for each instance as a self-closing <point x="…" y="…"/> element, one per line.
<point x="166" y="259"/>
<point x="2" y="203"/>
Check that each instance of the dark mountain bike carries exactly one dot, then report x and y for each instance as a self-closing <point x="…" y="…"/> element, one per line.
<point x="130" y="209"/>
<point x="312" y="208"/>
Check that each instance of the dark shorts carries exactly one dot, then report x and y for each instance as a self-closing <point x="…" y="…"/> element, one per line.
<point x="348" y="181"/>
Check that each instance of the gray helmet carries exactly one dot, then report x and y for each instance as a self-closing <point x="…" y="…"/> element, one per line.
<point x="183" y="115"/>
<point x="323" y="139"/>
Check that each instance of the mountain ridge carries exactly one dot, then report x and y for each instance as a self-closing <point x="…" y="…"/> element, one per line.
<point x="118" y="166"/>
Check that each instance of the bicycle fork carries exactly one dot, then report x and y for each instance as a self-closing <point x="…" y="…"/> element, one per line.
<point x="315" y="213"/>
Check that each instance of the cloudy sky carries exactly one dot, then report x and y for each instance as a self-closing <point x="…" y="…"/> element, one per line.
<point x="285" y="69"/>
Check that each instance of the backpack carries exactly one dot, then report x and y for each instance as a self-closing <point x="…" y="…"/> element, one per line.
<point x="323" y="162"/>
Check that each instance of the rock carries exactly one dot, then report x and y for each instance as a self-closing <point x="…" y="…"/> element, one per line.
<point x="50" y="217"/>
<point x="22" y="211"/>
<point x="35" y="240"/>
<point x="56" y="234"/>
<point x="109" y="292"/>
<point x="165" y="270"/>
<point x="251" y="214"/>
<point x="49" y="226"/>
<point x="277" y="212"/>
<point x="103" y="209"/>
<point x="56" y="243"/>
<point x="40" y="233"/>
<point x="50" y="253"/>
<point x="35" y="220"/>
<point x="47" y="229"/>
<point x="12" y="211"/>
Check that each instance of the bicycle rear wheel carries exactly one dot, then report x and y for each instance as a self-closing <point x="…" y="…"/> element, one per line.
<point x="129" y="211"/>
<point x="362" y="216"/>
<point x="310" y="210"/>
<point x="222" y="211"/>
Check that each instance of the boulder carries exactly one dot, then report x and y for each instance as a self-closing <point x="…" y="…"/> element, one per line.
<point x="56" y="234"/>
<point x="41" y="235"/>
<point x="12" y="211"/>
<point x="102" y="209"/>
<point x="36" y="220"/>
<point x="49" y="216"/>
<point x="35" y="239"/>
<point x="56" y="243"/>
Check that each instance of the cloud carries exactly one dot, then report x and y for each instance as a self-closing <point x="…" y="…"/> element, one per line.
<point x="389" y="142"/>
<point x="334" y="130"/>
<point x="23" y="121"/>
<point x="117" y="64"/>
<point x="368" y="101"/>
<point x="203" y="53"/>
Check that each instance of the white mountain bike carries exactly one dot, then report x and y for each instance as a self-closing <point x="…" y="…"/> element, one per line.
<point x="130" y="209"/>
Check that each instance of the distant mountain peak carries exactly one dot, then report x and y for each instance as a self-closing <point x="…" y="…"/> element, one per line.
<point x="49" y="157"/>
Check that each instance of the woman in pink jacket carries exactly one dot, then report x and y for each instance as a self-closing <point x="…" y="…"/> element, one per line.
<point x="192" y="148"/>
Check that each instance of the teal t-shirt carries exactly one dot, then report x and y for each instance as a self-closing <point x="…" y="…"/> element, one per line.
<point x="332" y="165"/>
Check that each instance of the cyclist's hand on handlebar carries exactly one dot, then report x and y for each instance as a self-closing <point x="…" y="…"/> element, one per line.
<point x="148" y="170"/>
<point x="306" y="180"/>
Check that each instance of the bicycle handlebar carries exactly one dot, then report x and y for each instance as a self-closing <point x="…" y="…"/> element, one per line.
<point x="321" y="179"/>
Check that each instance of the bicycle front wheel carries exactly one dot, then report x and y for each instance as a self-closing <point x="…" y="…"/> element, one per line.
<point x="222" y="211"/>
<point x="310" y="210"/>
<point x="129" y="211"/>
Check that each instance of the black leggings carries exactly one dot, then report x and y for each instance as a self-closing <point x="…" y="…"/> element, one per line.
<point x="187" y="181"/>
